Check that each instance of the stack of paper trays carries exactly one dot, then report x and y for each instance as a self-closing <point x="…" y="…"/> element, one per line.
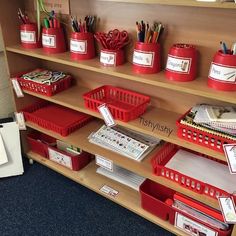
<point x="128" y="143"/>
<point x="123" y="176"/>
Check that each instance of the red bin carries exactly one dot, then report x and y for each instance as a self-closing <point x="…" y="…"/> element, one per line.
<point x="109" y="57"/>
<point x="222" y="74"/>
<point x="82" y="46"/>
<point x="181" y="63"/>
<point x="146" y="58"/>
<point x="53" y="40"/>
<point x="29" y="36"/>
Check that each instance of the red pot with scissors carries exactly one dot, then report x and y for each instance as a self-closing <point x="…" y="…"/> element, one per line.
<point x="112" y="43"/>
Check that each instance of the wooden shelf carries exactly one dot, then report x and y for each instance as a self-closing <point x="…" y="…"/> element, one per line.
<point x="197" y="87"/>
<point x="189" y="3"/>
<point x="72" y="98"/>
<point x="79" y="138"/>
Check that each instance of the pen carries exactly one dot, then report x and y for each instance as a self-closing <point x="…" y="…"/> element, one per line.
<point x="46" y="22"/>
<point x="223" y="47"/>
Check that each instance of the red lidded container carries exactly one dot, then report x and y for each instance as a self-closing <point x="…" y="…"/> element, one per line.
<point x="222" y="74"/>
<point x="181" y="63"/>
<point x="82" y="46"/>
<point x="146" y="58"/>
<point x="109" y="57"/>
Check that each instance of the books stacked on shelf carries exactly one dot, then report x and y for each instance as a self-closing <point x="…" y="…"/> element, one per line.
<point x="123" y="176"/>
<point x="126" y="142"/>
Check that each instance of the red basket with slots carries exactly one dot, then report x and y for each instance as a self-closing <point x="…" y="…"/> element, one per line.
<point x="56" y="118"/>
<point x="163" y="157"/>
<point x="194" y="135"/>
<point x="44" y="89"/>
<point x="39" y="142"/>
<point x="73" y="162"/>
<point x="123" y="104"/>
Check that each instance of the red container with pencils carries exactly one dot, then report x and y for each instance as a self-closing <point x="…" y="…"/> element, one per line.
<point x="29" y="36"/>
<point x="53" y="40"/>
<point x="181" y="63"/>
<point x="82" y="45"/>
<point x="146" y="58"/>
<point x="109" y="57"/>
<point x="222" y="74"/>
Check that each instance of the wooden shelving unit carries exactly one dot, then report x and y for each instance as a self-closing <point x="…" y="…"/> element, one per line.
<point x="186" y="21"/>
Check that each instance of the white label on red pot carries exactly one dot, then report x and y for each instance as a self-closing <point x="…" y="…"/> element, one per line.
<point x="108" y="58"/>
<point x="49" y="40"/>
<point x="192" y="227"/>
<point x="223" y="73"/>
<point x="143" y="58"/>
<point x="178" y="64"/>
<point x="60" y="158"/>
<point x="27" y="36"/>
<point x="78" y="46"/>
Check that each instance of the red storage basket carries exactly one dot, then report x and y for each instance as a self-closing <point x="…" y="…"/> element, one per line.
<point x="123" y="104"/>
<point x="56" y="118"/>
<point x="45" y="89"/>
<point x="194" y="135"/>
<point x="73" y="162"/>
<point x="39" y="142"/>
<point x="165" y="154"/>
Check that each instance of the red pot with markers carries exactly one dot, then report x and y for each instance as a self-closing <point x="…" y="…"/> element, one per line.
<point x="222" y="74"/>
<point x="29" y="36"/>
<point x="181" y="63"/>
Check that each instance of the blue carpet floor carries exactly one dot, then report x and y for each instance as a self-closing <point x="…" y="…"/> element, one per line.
<point x="42" y="202"/>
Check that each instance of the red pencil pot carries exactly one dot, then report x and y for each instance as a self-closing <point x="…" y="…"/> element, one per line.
<point x="181" y="63"/>
<point x="82" y="46"/>
<point x="29" y="36"/>
<point x="146" y="58"/>
<point x="110" y="57"/>
<point x="53" y="40"/>
<point x="222" y="74"/>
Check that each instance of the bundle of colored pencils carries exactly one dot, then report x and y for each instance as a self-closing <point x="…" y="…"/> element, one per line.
<point x="87" y="25"/>
<point x="149" y="34"/>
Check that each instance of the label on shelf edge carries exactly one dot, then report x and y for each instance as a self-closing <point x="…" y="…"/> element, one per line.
<point x="109" y="191"/>
<point x="228" y="209"/>
<point x="17" y="88"/>
<point x="230" y="154"/>
<point x="106" y="114"/>
<point x="20" y="120"/>
<point x="104" y="163"/>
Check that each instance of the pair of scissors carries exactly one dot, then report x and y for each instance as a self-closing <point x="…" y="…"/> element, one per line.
<point x="118" y="39"/>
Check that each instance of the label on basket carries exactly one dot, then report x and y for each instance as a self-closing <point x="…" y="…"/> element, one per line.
<point x="178" y="64"/>
<point x="104" y="163"/>
<point x="223" y="73"/>
<point x="108" y="58"/>
<point x="230" y="153"/>
<point x="78" y="46"/>
<point x="20" y="120"/>
<point x="60" y="158"/>
<point x="17" y="88"/>
<point x="143" y="58"/>
<point x="27" y="36"/>
<point x="107" y="116"/>
<point x="49" y="40"/>
<point x="228" y="209"/>
<point x="192" y="227"/>
<point x="109" y="191"/>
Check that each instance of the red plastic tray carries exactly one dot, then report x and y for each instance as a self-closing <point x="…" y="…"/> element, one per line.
<point x="56" y="118"/>
<point x="200" y="137"/>
<point x="165" y="154"/>
<point x="123" y="104"/>
<point x="158" y="199"/>
<point x="45" y="89"/>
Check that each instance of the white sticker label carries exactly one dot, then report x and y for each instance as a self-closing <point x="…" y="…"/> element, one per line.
<point x="178" y="64"/>
<point x="20" y="120"/>
<point x="78" y="46"/>
<point x="143" y="58"/>
<point x="222" y="73"/>
<point x="109" y="191"/>
<point x="104" y="163"/>
<point x="17" y="88"/>
<point x="107" y="116"/>
<point x="60" y="158"/>
<point x="3" y="154"/>
<point x="191" y="227"/>
<point x="228" y="209"/>
<point x="49" y="40"/>
<point x="27" y="36"/>
<point x="108" y="58"/>
<point x="230" y="153"/>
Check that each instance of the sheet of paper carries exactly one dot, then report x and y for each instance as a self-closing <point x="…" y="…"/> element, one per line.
<point x="3" y="154"/>
<point x="203" y="169"/>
